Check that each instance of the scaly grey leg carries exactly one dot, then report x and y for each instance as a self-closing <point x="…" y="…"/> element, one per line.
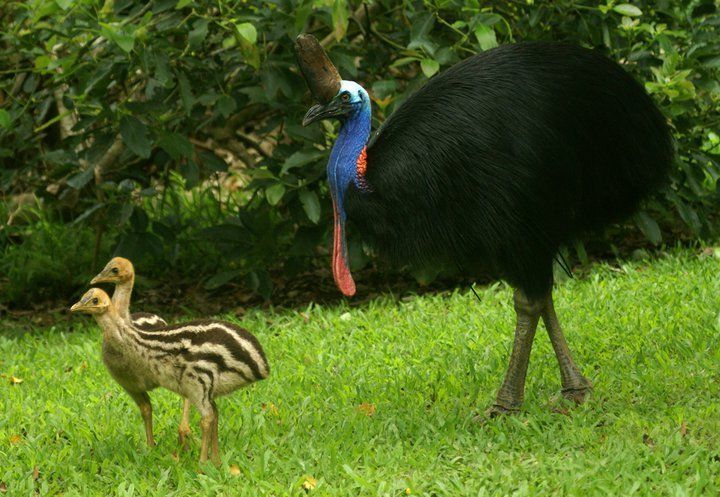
<point x="511" y="393"/>
<point x="574" y="385"/>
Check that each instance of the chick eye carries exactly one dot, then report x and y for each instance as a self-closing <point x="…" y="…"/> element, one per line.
<point x="345" y="97"/>
<point x="114" y="270"/>
<point x="95" y="301"/>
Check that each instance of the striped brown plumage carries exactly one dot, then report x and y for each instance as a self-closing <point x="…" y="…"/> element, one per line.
<point x="200" y="360"/>
<point x="121" y="272"/>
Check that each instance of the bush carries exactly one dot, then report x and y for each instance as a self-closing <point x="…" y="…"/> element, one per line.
<point x="112" y="108"/>
<point x="51" y="263"/>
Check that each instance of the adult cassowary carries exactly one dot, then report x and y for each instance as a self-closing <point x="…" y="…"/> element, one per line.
<point x="494" y="163"/>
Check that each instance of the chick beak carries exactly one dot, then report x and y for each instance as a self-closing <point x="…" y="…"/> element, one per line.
<point x="76" y="307"/>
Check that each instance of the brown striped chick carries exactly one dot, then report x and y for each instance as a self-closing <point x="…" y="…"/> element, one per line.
<point x="200" y="361"/>
<point x="120" y="272"/>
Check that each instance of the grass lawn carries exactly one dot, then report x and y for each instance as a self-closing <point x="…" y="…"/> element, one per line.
<point x="380" y="400"/>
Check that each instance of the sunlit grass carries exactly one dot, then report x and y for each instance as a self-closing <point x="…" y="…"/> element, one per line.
<point x="380" y="400"/>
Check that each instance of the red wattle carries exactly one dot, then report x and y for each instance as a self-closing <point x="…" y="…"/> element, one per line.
<point x="341" y="271"/>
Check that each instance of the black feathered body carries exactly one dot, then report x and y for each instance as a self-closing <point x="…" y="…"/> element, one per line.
<point x="509" y="154"/>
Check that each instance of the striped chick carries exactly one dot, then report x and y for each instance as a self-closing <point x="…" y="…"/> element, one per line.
<point x="200" y="360"/>
<point x="120" y="272"/>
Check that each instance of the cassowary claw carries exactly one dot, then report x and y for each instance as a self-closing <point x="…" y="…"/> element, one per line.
<point x="577" y="395"/>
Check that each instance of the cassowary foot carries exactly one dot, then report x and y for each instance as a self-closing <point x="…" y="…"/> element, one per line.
<point x="497" y="410"/>
<point x="578" y="394"/>
<point x="184" y="433"/>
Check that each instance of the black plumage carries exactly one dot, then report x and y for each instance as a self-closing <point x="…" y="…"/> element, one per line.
<point x="494" y="164"/>
<point x="509" y="154"/>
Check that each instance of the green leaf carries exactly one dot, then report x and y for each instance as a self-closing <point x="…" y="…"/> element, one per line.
<point x="713" y="62"/>
<point x="118" y="34"/>
<point x="248" y="32"/>
<point x="300" y="158"/>
<point x="88" y="212"/>
<point x="118" y="215"/>
<point x="229" y="42"/>
<point x="429" y="67"/>
<point x="275" y="193"/>
<point x="182" y="3"/>
<point x="190" y="172"/>
<point x="311" y="204"/>
<point x="226" y="105"/>
<point x="212" y="162"/>
<point x="403" y="61"/>
<point x="64" y="4"/>
<point x="42" y="61"/>
<point x="5" y="118"/>
<point x="627" y="9"/>
<point x="222" y="278"/>
<point x="649" y="227"/>
<point x="186" y="95"/>
<point x="485" y="36"/>
<point x="125" y="42"/>
<point x="423" y="23"/>
<point x="176" y="145"/>
<point x="135" y="135"/>
<point x="340" y="19"/>
<point x="81" y="179"/>
<point x="198" y="34"/>
<point x="384" y="88"/>
<point x="126" y="186"/>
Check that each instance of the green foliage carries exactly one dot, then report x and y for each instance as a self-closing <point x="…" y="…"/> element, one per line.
<point x="51" y="263"/>
<point x="646" y="334"/>
<point x="105" y="99"/>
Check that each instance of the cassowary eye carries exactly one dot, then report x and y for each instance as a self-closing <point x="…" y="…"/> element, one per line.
<point x="114" y="270"/>
<point x="345" y="97"/>
<point x="95" y="301"/>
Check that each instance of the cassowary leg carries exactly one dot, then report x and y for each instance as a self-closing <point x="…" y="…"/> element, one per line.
<point x="511" y="394"/>
<point x="574" y="385"/>
<point x="214" y="453"/>
<point x="142" y="399"/>
<point x="208" y="414"/>
<point x="184" y="430"/>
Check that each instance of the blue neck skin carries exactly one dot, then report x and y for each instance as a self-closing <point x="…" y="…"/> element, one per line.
<point x="342" y="166"/>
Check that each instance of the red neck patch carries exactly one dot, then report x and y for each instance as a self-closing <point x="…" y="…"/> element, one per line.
<point x="361" y="169"/>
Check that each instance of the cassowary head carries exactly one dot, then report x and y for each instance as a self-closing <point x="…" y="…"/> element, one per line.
<point x="118" y="270"/>
<point x="350" y="103"/>
<point x="95" y="301"/>
<point x="350" y="100"/>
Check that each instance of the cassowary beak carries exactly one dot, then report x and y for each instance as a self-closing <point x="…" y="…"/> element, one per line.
<point x="80" y="304"/>
<point x="334" y="108"/>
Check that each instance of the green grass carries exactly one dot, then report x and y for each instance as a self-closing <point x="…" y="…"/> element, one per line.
<point x="646" y="333"/>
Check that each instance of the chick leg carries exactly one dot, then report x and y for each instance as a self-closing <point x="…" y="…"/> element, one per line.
<point x="214" y="451"/>
<point x="574" y="385"/>
<point x="142" y="399"/>
<point x="511" y="394"/>
<point x="207" y="421"/>
<point x="184" y="430"/>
